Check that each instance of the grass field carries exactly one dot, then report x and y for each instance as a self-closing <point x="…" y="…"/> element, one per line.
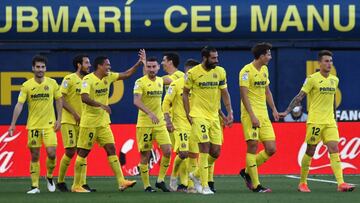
<point x="229" y="189"/>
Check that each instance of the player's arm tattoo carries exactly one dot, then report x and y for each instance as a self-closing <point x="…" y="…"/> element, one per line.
<point x="295" y="101"/>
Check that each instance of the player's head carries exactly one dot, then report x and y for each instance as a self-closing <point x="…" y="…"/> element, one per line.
<point x="190" y="63"/>
<point x="170" y="60"/>
<point x="82" y="64"/>
<point x="102" y="65"/>
<point x="262" y="53"/>
<point x="325" y="60"/>
<point x="39" y="65"/>
<point x="209" y="57"/>
<point x="152" y="67"/>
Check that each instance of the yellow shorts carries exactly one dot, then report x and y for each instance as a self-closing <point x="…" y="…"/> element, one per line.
<point x="38" y="136"/>
<point x="146" y="135"/>
<point x="264" y="133"/>
<point x="102" y="135"/>
<point x="321" y="132"/>
<point x="205" y="130"/>
<point x="70" y="135"/>
<point x="181" y="137"/>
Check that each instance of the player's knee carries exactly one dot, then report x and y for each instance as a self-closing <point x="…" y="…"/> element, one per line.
<point x="333" y="149"/>
<point x="271" y="151"/>
<point x="52" y="155"/>
<point x="35" y="157"/>
<point x="167" y="153"/>
<point x="310" y="150"/>
<point x="70" y="153"/>
<point x="215" y="153"/>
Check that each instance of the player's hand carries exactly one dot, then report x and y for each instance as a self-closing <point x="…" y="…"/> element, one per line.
<point x="11" y="130"/>
<point x="57" y="125"/>
<point x="276" y="115"/>
<point x="189" y="119"/>
<point x="142" y="56"/>
<point x="170" y="127"/>
<point x="106" y="108"/>
<point x="255" y="122"/>
<point x="153" y="118"/>
<point x="283" y="114"/>
<point x="229" y="120"/>
<point x="77" y="118"/>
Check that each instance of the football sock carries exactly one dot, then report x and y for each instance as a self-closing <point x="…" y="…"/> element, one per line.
<point x="64" y="165"/>
<point x="35" y="173"/>
<point x="305" y="165"/>
<point x="252" y="169"/>
<point x="336" y="167"/>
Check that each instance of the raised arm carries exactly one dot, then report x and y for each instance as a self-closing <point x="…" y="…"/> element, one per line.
<point x="270" y="101"/>
<point x="246" y="102"/>
<point x="227" y="102"/>
<point x="87" y="100"/>
<point x="140" y="105"/>
<point x="129" y="72"/>
<point x="17" y="111"/>
<point x="185" y="97"/>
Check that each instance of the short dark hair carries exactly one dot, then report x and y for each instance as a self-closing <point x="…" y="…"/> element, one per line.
<point x="78" y="59"/>
<point x="152" y="58"/>
<point x="324" y="53"/>
<point x="174" y="57"/>
<point x="191" y="63"/>
<point x="206" y="51"/>
<point x="39" y="58"/>
<point x="99" y="61"/>
<point x="260" y="49"/>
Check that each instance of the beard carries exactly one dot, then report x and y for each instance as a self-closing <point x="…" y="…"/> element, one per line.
<point x="209" y="65"/>
<point x="83" y="72"/>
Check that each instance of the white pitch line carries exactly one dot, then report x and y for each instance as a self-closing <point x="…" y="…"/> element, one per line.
<point x="315" y="180"/>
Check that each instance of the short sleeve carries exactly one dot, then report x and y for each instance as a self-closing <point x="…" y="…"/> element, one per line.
<point x="244" y="78"/>
<point x="307" y="86"/>
<point x="65" y="85"/>
<point x="113" y="77"/>
<point x="188" y="80"/>
<point x="138" y="87"/>
<point x="223" y="81"/>
<point x="22" y="95"/>
<point x="85" y="86"/>
<point x="57" y="92"/>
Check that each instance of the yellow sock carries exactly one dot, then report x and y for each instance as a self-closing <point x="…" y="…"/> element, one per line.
<point x="203" y="168"/>
<point x="50" y="166"/>
<point x="261" y="158"/>
<point x="79" y="164"/>
<point x="336" y="167"/>
<point x="35" y="173"/>
<point x="211" y="161"/>
<point x="192" y="167"/>
<point x="164" y="165"/>
<point x="64" y="165"/>
<point x="252" y="169"/>
<point x="305" y="165"/>
<point x="183" y="174"/>
<point x="115" y="166"/>
<point x="176" y="166"/>
<point x="144" y="172"/>
<point x="83" y="174"/>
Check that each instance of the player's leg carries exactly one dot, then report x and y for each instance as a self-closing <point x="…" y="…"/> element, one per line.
<point x="216" y="140"/>
<point x="162" y="137"/>
<point x="267" y="136"/>
<point x="50" y="142"/>
<point x="144" y="143"/>
<point x="183" y="147"/>
<point x="34" y="144"/>
<point x="175" y="141"/>
<point x="106" y="139"/>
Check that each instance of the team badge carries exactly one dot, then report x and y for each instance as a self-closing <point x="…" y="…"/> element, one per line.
<point x="105" y="82"/>
<point x="159" y="85"/>
<point x="312" y="139"/>
<point x="146" y="145"/>
<point x="214" y="75"/>
<point x="265" y="75"/>
<point x="245" y="76"/>
<point x="33" y="142"/>
<point x="89" y="144"/>
<point x="46" y="88"/>
<point x="183" y="145"/>
<point x="254" y="134"/>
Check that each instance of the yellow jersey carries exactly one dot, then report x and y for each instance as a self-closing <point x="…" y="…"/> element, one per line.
<point x="40" y="98"/>
<point x="204" y="86"/>
<point x="320" y="93"/>
<point x="71" y="88"/>
<point x="256" y="81"/>
<point x="98" y="91"/>
<point x="173" y="100"/>
<point x="176" y="75"/>
<point x="151" y="94"/>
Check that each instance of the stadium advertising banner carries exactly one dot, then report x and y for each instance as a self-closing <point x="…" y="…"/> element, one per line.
<point x="177" y="19"/>
<point x="15" y="157"/>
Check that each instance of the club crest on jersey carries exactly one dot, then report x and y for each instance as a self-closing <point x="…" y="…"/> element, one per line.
<point x="46" y="88"/>
<point x="105" y="82"/>
<point x="146" y="145"/>
<point x="332" y="81"/>
<point x="214" y="75"/>
<point x="33" y="142"/>
<point x="265" y="75"/>
<point x="245" y="76"/>
<point x="159" y="85"/>
<point x="254" y="134"/>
